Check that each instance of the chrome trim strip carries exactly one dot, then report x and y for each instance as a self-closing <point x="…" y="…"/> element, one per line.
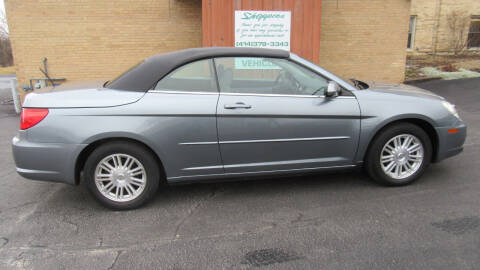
<point x="203" y="168"/>
<point x="287" y="140"/>
<point x="259" y="172"/>
<point x="268" y="95"/>
<point x="283" y="162"/>
<point x="305" y="116"/>
<point x="345" y="97"/>
<point x="182" y="92"/>
<point x="197" y="143"/>
<point x="269" y="140"/>
<point x="282" y="95"/>
<point x="242" y="94"/>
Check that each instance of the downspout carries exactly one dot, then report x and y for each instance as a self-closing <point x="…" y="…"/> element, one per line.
<point x="438" y="8"/>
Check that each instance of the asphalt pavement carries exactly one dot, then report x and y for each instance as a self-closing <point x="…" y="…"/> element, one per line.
<point x="327" y="221"/>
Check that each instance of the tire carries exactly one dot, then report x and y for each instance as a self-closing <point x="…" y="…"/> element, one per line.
<point x="130" y="181"/>
<point x="407" y="164"/>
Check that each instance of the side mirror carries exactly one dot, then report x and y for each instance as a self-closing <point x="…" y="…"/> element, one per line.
<point x="333" y="89"/>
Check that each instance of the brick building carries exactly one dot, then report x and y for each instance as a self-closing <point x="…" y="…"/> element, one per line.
<point x="437" y="25"/>
<point x="92" y="39"/>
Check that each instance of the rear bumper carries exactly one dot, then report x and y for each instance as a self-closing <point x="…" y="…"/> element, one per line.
<point x="450" y="144"/>
<point x="45" y="161"/>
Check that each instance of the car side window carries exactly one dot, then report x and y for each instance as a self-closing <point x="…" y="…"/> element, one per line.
<point x="195" y="77"/>
<point x="258" y="75"/>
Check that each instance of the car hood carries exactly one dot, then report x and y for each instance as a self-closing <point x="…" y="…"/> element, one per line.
<point x="88" y="94"/>
<point x="401" y="89"/>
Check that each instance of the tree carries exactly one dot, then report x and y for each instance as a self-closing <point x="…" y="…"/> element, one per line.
<point x="458" y="26"/>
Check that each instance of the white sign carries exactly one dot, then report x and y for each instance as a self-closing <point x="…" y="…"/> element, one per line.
<point x="262" y="29"/>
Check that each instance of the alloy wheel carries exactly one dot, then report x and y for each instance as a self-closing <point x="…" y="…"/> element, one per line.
<point x="402" y="156"/>
<point x="120" y="177"/>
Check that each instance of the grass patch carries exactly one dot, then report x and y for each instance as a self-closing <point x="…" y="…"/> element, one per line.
<point x="448" y="67"/>
<point x="460" y="74"/>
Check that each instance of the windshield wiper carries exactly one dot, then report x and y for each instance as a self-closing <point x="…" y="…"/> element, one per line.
<point x="356" y="83"/>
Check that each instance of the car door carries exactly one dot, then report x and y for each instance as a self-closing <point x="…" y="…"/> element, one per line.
<point x="272" y="115"/>
<point x="184" y="126"/>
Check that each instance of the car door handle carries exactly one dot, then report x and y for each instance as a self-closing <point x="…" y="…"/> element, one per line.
<point x="238" y="105"/>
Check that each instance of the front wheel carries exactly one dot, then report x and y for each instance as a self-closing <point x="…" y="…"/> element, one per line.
<point x="122" y="175"/>
<point x="399" y="155"/>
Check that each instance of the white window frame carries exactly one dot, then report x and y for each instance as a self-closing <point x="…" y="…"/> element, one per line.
<point x="474" y="18"/>
<point x="411" y="46"/>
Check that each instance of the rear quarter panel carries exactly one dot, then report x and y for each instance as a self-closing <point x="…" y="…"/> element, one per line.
<point x="161" y="121"/>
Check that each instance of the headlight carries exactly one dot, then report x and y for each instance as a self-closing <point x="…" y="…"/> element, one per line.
<point x="451" y="108"/>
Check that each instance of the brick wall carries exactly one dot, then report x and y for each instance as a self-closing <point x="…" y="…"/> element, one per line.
<point x="365" y="39"/>
<point x="91" y="39"/>
<point x="432" y="32"/>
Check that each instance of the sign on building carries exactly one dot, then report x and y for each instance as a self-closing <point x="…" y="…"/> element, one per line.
<point x="261" y="29"/>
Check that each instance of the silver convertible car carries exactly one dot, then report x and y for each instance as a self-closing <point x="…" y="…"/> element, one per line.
<point x="215" y="113"/>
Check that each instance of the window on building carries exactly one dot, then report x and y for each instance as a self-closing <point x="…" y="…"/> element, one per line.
<point x="256" y="75"/>
<point x="196" y="76"/>
<point x="411" y="32"/>
<point x="474" y="33"/>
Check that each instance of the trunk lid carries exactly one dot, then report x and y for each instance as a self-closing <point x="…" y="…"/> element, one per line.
<point x="89" y="94"/>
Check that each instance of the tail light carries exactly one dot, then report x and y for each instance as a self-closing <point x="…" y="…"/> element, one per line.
<point x="31" y="117"/>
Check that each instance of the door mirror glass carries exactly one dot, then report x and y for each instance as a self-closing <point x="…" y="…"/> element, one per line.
<point x="333" y="89"/>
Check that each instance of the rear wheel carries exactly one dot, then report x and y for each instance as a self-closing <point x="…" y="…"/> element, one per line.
<point x="399" y="154"/>
<point x="122" y="175"/>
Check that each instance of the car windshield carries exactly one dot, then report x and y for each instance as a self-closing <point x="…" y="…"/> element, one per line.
<point x="354" y="83"/>
<point x="347" y="80"/>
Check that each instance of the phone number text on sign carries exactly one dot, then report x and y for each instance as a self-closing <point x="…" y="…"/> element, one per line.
<point x="255" y="44"/>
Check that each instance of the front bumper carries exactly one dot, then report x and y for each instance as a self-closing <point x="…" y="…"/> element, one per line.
<point x="45" y="161"/>
<point x="450" y="144"/>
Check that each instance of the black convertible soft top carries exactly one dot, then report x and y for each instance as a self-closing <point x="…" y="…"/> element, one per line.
<point x="144" y="75"/>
